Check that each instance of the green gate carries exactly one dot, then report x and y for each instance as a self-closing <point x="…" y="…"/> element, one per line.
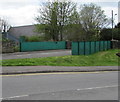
<point x="37" y="46"/>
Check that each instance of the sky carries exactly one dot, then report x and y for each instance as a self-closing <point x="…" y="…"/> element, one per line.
<point x="23" y="12"/>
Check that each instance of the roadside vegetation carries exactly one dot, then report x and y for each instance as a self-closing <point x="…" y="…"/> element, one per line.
<point x="104" y="58"/>
<point x="34" y="38"/>
<point x="60" y="21"/>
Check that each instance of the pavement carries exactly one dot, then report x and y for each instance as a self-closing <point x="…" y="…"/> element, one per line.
<point x="36" y="54"/>
<point x="48" y="69"/>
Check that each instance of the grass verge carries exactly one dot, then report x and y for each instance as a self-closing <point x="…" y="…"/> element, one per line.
<point x="104" y="58"/>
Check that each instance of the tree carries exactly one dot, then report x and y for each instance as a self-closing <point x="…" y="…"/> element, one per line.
<point x="116" y="31"/>
<point x="48" y="21"/>
<point x="74" y="32"/>
<point x="118" y="25"/>
<point x="54" y="16"/>
<point x="106" y="34"/>
<point x="4" y="26"/>
<point x="92" y="19"/>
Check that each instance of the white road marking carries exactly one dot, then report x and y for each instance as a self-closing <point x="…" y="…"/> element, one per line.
<point x="97" y="87"/>
<point x="24" y="55"/>
<point x="54" y="94"/>
<point x="14" y="97"/>
<point x="45" y="53"/>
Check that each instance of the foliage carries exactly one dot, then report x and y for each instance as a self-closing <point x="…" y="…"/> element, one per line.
<point x="118" y="25"/>
<point x="54" y="16"/>
<point x="44" y="28"/>
<point x="16" y="48"/>
<point x="34" y="38"/>
<point x="74" y="32"/>
<point x="5" y="40"/>
<point x="106" y="34"/>
<point x="62" y="21"/>
<point x="104" y="58"/>
<point x="116" y="33"/>
<point x="92" y="19"/>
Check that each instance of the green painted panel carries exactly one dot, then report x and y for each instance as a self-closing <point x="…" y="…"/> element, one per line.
<point x="109" y="44"/>
<point x="75" y="48"/>
<point x="81" y="48"/>
<point x="105" y="45"/>
<point x="35" y="46"/>
<point x="92" y="47"/>
<point x="97" y="46"/>
<point x="87" y="48"/>
<point x="101" y="45"/>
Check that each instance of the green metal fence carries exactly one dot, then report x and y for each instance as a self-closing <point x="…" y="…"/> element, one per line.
<point x="86" y="48"/>
<point x="35" y="46"/>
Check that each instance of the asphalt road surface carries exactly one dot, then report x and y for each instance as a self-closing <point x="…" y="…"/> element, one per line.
<point x="62" y="86"/>
<point x="36" y="54"/>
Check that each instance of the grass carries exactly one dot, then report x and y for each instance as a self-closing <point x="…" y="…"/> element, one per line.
<point x="104" y="58"/>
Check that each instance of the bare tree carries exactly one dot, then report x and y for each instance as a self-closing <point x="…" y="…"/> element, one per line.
<point x="4" y="26"/>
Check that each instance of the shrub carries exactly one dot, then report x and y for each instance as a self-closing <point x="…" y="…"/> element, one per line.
<point x="34" y="38"/>
<point x="106" y="34"/>
<point x="16" y="49"/>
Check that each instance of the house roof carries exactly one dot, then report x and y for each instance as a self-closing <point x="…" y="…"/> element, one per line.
<point x="28" y="30"/>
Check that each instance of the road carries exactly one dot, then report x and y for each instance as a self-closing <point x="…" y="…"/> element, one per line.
<point x="36" y="54"/>
<point x="61" y="86"/>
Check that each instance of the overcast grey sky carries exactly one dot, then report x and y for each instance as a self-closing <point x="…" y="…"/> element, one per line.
<point x="23" y="12"/>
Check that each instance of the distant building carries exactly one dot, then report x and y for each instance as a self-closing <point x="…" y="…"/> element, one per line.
<point x="14" y="33"/>
<point x="28" y="30"/>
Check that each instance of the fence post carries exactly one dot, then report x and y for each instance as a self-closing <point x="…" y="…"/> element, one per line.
<point x="21" y="40"/>
<point x="20" y="46"/>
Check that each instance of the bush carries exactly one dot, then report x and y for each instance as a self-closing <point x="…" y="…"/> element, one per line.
<point x="106" y="34"/>
<point x="16" y="49"/>
<point x="116" y="33"/>
<point x="34" y="38"/>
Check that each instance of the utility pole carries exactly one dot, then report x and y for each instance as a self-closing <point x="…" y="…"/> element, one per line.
<point x="112" y="23"/>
